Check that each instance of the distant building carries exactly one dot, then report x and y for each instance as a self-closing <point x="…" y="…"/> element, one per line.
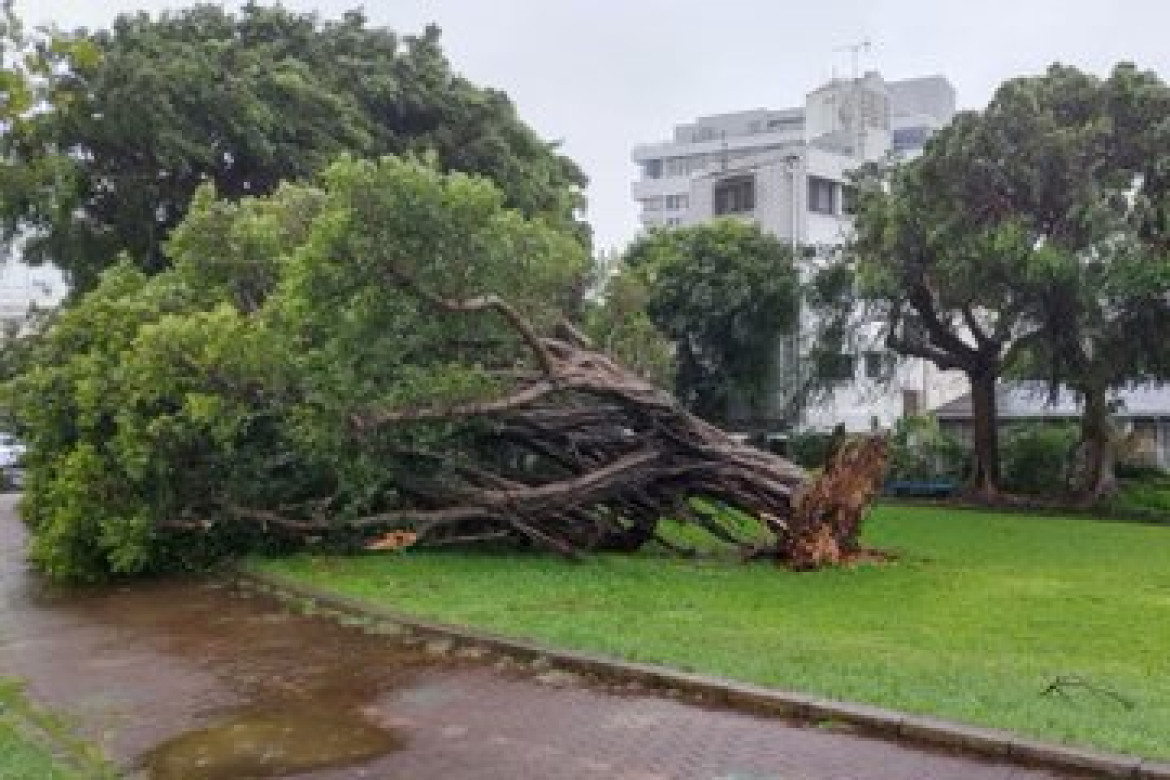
<point x="787" y="171"/>
<point x="1141" y="412"/>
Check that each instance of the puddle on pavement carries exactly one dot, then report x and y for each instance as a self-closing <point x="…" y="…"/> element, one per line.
<point x="270" y="743"/>
<point x="218" y="683"/>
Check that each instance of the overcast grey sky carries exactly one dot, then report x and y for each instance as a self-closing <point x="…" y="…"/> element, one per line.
<point x="602" y="75"/>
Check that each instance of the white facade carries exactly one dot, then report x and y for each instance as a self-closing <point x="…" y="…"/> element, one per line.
<point x="24" y="289"/>
<point x="787" y="171"/>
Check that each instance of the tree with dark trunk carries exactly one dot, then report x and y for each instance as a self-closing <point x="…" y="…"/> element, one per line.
<point x="951" y="299"/>
<point x="1088" y="167"/>
<point x="1032" y="233"/>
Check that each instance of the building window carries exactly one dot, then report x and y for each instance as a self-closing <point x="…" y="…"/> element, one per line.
<point x="909" y="139"/>
<point x="673" y="221"/>
<point x="682" y="166"/>
<point x="735" y="196"/>
<point x="911" y="403"/>
<point x="837" y="367"/>
<point x="677" y="202"/>
<point x="878" y="364"/>
<point x="822" y="195"/>
<point x="652" y="169"/>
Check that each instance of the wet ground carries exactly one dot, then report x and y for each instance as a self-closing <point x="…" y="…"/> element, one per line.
<point x="196" y="680"/>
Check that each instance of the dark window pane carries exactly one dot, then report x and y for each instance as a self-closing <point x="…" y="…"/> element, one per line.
<point x="837" y="367"/>
<point x="822" y="195"/>
<point x="735" y="196"/>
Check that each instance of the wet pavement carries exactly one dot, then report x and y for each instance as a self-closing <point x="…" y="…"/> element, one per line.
<point x="196" y="680"/>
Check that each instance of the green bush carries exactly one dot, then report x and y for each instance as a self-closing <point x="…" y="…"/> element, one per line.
<point x="1139" y="471"/>
<point x="920" y="450"/>
<point x="1149" y="493"/>
<point x="1037" y="458"/>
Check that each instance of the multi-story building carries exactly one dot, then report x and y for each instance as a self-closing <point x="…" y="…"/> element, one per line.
<point x="787" y="170"/>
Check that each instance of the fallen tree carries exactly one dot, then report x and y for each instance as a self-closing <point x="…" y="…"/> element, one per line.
<point x="619" y="455"/>
<point x="330" y="364"/>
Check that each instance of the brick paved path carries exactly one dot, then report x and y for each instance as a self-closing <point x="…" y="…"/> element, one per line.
<point x="194" y="681"/>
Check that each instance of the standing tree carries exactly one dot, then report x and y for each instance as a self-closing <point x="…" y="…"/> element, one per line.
<point x="945" y="287"/>
<point x="1036" y="227"/>
<point x="139" y="116"/>
<point x="618" y="323"/>
<point x="724" y="293"/>
<point x="1089" y="175"/>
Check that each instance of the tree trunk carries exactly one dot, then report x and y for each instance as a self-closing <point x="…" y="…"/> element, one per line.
<point x="1098" y="476"/>
<point x="985" y="434"/>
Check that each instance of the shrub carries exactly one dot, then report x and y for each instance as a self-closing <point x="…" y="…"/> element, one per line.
<point x="1145" y="494"/>
<point x="1037" y="458"/>
<point x="920" y="450"/>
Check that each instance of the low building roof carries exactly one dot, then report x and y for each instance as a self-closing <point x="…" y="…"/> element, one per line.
<point x="1032" y="400"/>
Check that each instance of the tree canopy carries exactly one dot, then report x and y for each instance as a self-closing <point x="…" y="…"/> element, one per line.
<point x="724" y="293"/>
<point x="130" y="121"/>
<point x="1089" y="185"/>
<point x="1030" y="223"/>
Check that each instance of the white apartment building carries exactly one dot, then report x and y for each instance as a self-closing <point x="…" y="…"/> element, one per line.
<point x="787" y="170"/>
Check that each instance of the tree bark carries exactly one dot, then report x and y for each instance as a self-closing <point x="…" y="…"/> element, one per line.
<point x="985" y="476"/>
<point x="1098" y="476"/>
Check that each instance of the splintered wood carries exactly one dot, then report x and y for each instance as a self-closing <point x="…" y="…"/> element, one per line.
<point x="826" y="521"/>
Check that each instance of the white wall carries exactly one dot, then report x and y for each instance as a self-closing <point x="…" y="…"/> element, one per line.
<point x="23" y="287"/>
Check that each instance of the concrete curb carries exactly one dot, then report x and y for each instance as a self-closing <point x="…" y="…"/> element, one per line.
<point x="889" y="724"/>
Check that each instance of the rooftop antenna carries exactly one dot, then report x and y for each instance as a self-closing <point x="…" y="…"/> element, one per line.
<point x="855" y="51"/>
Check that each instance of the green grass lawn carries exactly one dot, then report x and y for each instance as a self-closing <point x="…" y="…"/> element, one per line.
<point x="35" y="745"/>
<point x="979" y="615"/>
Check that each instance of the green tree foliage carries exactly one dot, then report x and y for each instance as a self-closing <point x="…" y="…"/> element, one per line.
<point x="620" y="325"/>
<point x="1038" y="225"/>
<point x="724" y="293"/>
<point x="945" y="289"/>
<point x="137" y="117"/>
<point x="1086" y="183"/>
<point x="172" y="417"/>
<point x="921" y="450"/>
<point x="1038" y="458"/>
